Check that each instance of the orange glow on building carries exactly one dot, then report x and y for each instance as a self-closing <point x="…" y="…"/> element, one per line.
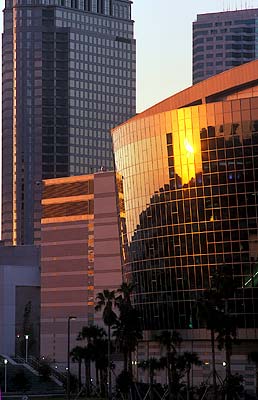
<point x="80" y="253"/>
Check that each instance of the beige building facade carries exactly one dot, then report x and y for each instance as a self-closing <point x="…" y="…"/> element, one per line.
<point x="80" y="255"/>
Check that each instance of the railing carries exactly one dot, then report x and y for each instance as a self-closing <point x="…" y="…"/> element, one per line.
<point x="35" y="364"/>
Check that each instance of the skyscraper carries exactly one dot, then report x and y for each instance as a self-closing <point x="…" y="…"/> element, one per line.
<point x="68" y="77"/>
<point x="223" y="40"/>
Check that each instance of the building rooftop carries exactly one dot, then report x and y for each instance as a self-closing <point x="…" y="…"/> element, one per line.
<point x="208" y="91"/>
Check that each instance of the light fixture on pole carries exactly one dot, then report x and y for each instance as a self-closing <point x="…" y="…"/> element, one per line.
<point x="26" y="347"/>
<point x="70" y="318"/>
<point x="5" y="374"/>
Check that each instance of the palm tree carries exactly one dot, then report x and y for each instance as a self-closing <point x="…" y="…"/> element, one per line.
<point x="226" y="338"/>
<point x="126" y="290"/>
<point x="189" y="359"/>
<point x="101" y="362"/>
<point x="151" y="365"/>
<point x="225" y="287"/>
<point x="170" y="340"/>
<point x="77" y="354"/>
<point x="94" y="335"/>
<point x="127" y="328"/>
<point x="88" y="357"/>
<point x="127" y="333"/>
<point x="212" y="309"/>
<point x="106" y="302"/>
<point x="208" y="313"/>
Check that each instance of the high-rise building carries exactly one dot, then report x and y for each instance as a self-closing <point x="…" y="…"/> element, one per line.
<point x="190" y="186"/>
<point x="190" y="181"/>
<point x="68" y="77"/>
<point x="222" y="41"/>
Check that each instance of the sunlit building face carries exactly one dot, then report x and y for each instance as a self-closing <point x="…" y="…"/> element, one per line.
<point x="190" y="177"/>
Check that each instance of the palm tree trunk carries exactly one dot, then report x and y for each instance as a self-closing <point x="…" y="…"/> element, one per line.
<point x="228" y="363"/>
<point x="151" y="384"/>
<point x="125" y="361"/>
<point x="130" y="365"/>
<point x="188" y="383"/>
<point x="97" y="375"/>
<point x="109" y="369"/>
<point x="87" y="376"/>
<point x="214" y="382"/>
<point x="169" y="376"/>
<point x="102" y="385"/>
<point x="80" y="374"/>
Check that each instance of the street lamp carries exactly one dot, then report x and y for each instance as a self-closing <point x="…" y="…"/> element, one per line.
<point x="70" y="318"/>
<point x="5" y="374"/>
<point x="26" y="347"/>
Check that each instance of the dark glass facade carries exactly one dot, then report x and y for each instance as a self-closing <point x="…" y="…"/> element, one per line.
<point x="190" y="178"/>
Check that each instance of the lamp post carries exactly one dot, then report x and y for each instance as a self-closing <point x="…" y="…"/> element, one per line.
<point x="5" y="374"/>
<point x="70" y="318"/>
<point x="26" y="347"/>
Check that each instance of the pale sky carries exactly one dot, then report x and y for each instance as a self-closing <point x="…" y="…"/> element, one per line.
<point x="163" y="30"/>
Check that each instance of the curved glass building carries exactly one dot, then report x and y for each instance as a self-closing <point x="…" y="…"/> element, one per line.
<point x="190" y="177"/>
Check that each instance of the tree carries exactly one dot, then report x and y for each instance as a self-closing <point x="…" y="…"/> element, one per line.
<point x="151" y="365"/>
<point x="106" y="301"/>
<point x="233" y="387"/>
<point x="170" y="340"/>
<point x="101" y="362"/>
<point x="94" y="335"/>
<point x="227" y="333"/>
<point x="124" y="382"/>
<point x="20" y="381"/>
<point x="77" y="354"/>
<point x="208" y="313"/>
<point x="213" y="310"/>
<point x="227" y="330"/>
<point x="127" y="327"/>
<point x="188" y="360"/>
<point x="125" y="290"/>
<point x="88" y="356"/>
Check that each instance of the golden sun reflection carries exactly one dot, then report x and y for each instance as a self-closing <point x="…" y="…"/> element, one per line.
<point x="187" y="152"/>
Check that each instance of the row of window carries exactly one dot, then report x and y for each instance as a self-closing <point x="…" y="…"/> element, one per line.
<point x="231" y="30"/>
<point x="246" y="56"/>
<point x="227" y="47"/>
<point x="226" y="23"/>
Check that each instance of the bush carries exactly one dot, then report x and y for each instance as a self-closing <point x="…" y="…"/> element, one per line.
<point x="20" y="382"/>
<point x="124" y="382"/>
<point x="74" y="384"/>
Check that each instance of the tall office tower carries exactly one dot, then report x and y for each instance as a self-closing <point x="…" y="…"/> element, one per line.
<point x="68" y="77"/>
<point x="223" y="40"/>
